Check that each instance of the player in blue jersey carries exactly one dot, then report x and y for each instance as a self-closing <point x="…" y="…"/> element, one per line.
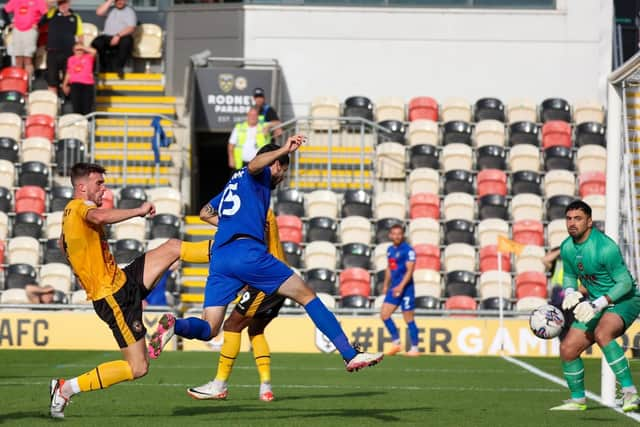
<point x="239" y="256"/>
<point x="401" y="260"/>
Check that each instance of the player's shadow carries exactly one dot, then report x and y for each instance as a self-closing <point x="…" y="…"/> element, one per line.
<point x="21" y="415"/>
<point x="334" y="395"/>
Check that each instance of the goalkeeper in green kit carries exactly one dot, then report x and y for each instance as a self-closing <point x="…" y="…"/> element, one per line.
<point x="612" y="305"/>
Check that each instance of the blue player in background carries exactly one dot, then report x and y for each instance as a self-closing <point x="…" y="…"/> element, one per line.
<point x="399" y="273"/>
<point x="239" y="257"/>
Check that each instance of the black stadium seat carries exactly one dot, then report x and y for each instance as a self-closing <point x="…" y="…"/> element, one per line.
<point x="27" y="224"/>
<point x="524" y="133"/>
<point x="555" y="109"/>
<point x="321" y="280"/>
<point x="493" y="303"/>
<point x="358" y="106"/>
<point x="292" y="253"/>
<point x="427" y="302"/>
<point x="590" y="133"/>
<point x="558" y="157"/>
<point x="459" y="231"/>
<point x="131" y="197"/>
<point x="53" y="253"/>
<point x="456" y="131"/>
<point x="34" y="173"/>
<point x="356" y="255"/>
<point x="354" y="301"/>
<point x="424" y="156"/>
<point x="126" y="250"/>
<point x="6" y="199"/>
<point x="383" y="226"/>
<point x="599" y="225"/>
<point x="12" y="101"/>
<point x="8" y="149"/>
<point x="491" y="157"/>
<point x="393" y="131"/>
<point x="493" y="206"/>
<point x="68" y="152"/>
<point x="526" y="182"/>
<point x="358" y="203"/>
<point x="460" y="282"/>
<point x="19" y="275"/>
<point x="556" y="206"/>
<point x="289" y="202"/>
<point x="489" y="109"/>
<point x="379" y="282"/>
<point x="60" y="196"/>
<point x="165" y="226"/>
<point x="458" y="181"/>
<point x="322" y="228"/>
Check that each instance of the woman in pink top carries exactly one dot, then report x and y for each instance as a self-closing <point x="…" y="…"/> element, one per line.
<point x="78" y="80"/>
<point x="26" y="15"/>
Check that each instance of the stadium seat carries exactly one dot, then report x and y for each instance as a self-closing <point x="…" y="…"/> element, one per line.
<point x="132" y="228"/>
<point x="12" y="102"/>
<point x="356" y="203"/>
<point x="592" y="183"/>
<point x="556" y="132"/>
<point x="459" y="231"/>
<point x="495" y="303"/>
<point x="490" y="229"/>
<point x="80" y="296"/>
<point x="34" y="173"/>
<point x="426" y="284"/>
<point x="423" y="107"/>
<point x="166" y="200"/>
<point x="556" y="233"/>
<point x="491" y="157"/>
<point x="28" y="224"/>
<point x="380" y="256"/>
<point x="56" y="275"/>
<point x="6" y="198"/>
<point x="355" y="229"/>
<point x="424" y="205"/>
<point x="7" y="174"/>
<point x="147" y="43"/>
<point x="391" y="131"/>
<point x="427" y="257"/>
<point x="328" y="300"/>
<point x="588" y="111"/>
<point x="20" y="275"/>
<point x="325" y="111"/>
<point x="598" y="205"/>
<point x="423" y="132"/>
<point x="528" y="232"/>
<point x="42" y="102"/>
<point x="4" y="230"/>
<point x="521" y="110"/>
<point x="73" y="126"/>
<point x="492" y="181"/>
<point x="131" y="197"/>
<point x="424" y="156"/>
<point x="165" y="226"/>
<point x="322" y="228"/>
<point x="488" y="109"/>
<point x="389" y="108"/>
<point x="289" y="202"/>
<point x="321" y="280"/>
<point x="390" y="162"/>
<point x="459" y="206"/>
<point x="320" y="254"/>
<point x="54" y="225"/>
<point x="424" y="180"/>
<point x="354" y="301"/>
<point x="558" y="182"/>
<point x="557" y="157"/>
<point x="461" y="302"/>
<point x="383" y="226"/>
<point x="526" y="206"/>
<point x="30" y="199"/>
<point x="526" y="181"/>
<point x="52" y="252"/>
<point x="530" y="259"/>
<point x="9" y="149"/>
<point x="495" y="284"/>
<point x="14" y="79"/>
<point x="127" y="250"/>
<point x="89" y="32"/>
<point x="40" y="125"/>
<point x="354" y="281"/>
<point x="67" y="153"/>
<point x="23" y="250"/>
<point x="390" y="205"/>
<point x="11" y="126"/>
<point x="524" y="133"/>
<point x="156" y="243"/>
<point x="599" y="225"/>
<point x="292" y="253"/>
<point x="524" y="157"/>
<point x="289" y="228"/>
<point x="459" y="256"/>
<point x="489" y="132"/>
<point x="355" y="255"/>
<point x="590" y="134"/>
<point x="555" y="109"/>
<point x="460" y="283"/>
<point x="456" y="132"/>
<point x="107" y="199"/>
<point x="322" y="203"/>
<point x="592" y="158"/>
<point x="428" y="302"/>
<point x="458" y="181"/>
<point x="456" y="109"/>
<point x="531" y="284"/>
<point x="424" y="231"/>
<point x="14" y="296"/>
<point x="528" y="304"/>
<point x="556" y="206"/>
<point x="358" y="106"/>
<point x="489" y="259"/>
<point x="36" y="150"/>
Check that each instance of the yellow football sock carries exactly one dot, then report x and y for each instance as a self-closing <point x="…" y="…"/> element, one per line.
<point x="196" y="252"/>
<point x="263" y="357"/>
<point x="105" y="375"/>
<point x="228" y="353"/>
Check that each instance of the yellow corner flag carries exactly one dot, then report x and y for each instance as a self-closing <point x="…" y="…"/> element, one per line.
<point x="509" y="246"/>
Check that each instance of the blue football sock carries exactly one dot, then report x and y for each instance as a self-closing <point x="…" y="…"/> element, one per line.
<point x="391" y="327"/>
<point x="413" y="332"/>
<point x="328" y="325"/>
<point x="192" y="327"/>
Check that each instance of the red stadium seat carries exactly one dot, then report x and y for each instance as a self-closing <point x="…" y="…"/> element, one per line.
<point x="107" y="199"/>
<point x="423" y="107"/>
<point x="592" y="183"/>
<point x="289" y="228"/>
<point x="489" y="259"/>
<point x="40" y="125"/>
<point x="30" y="198"/>
<point x="2" y="249"/>
<point x="528" y="232"/>
<point x="355" y="281"/>
<point x="556" y="132"/>
<point x="492" y="181"/>
<point x="460" y="302"/>
<point x="531" y="284"/>
<point x="14" y="78"/>
<point x="427" y="257"/>
<point x="424" y="205"/>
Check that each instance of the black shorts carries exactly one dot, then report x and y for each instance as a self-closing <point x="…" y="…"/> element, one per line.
<point x="122" y="311"/>
<point x="257" y="304"/>
<point x="56" y="66"/>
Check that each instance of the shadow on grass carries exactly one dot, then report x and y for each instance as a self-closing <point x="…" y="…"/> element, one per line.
<point x="21" y="415"/>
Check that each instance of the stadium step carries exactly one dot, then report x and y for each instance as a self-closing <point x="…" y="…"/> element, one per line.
<point x="138" y="109"/>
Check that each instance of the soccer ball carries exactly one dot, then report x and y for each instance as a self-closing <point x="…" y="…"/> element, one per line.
<point x="546" y="321"/>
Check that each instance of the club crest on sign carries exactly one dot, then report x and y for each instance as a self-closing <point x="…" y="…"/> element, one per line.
<point x="225" y="81"/>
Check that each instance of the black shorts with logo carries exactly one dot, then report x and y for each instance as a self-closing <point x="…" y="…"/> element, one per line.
<point x="122" y="311"/>
<point x="255" y="303"/>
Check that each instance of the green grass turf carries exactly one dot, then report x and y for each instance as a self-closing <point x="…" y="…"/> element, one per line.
<point x="310" y="390"/>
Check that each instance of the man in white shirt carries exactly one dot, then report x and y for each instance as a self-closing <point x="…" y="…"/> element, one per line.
<point x="245" y="140"/>
<point x="117" y="35"/>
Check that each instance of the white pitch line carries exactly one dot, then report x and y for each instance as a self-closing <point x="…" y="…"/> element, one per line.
<point x="562" y="382"/>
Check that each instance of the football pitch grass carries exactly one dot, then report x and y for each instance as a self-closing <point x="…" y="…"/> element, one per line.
<point x="310" y="390"/>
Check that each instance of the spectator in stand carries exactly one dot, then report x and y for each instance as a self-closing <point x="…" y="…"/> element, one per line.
<point x="245" y="140"/>
<point x="26" y="15"/>
<point x="65" y="30"/>
<point x="44" y="294"/>
<point x="117" y="35"/>
<point x="78" y="82"/>
<point x="267" y="114"/>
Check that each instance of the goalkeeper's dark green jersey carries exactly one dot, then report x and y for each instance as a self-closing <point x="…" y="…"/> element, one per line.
<point x="598" y="265"/>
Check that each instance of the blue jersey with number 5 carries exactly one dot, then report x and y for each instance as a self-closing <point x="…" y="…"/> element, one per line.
<point x="242" y="206"/>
